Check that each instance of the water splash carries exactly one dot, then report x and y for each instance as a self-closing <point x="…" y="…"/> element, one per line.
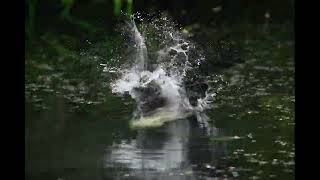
<point x="141" y="48"/>
<point x="158" y="85"/>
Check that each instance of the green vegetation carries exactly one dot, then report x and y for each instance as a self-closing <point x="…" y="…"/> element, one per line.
<point x="118" y="4"/>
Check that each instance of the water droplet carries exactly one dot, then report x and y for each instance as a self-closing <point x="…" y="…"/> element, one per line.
<point x="235" y="174"/>
<point x="254" y="177"/>
<point x="272" y="176"/>
<point x="217" y="9"/>
<point x="263" y="162"/>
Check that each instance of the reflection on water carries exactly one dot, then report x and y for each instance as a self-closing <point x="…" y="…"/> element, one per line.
<point x="62" y="145"/>
<point x="174" y="150"/>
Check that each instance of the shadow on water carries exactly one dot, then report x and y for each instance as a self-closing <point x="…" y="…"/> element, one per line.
<point x="61" y="145"/>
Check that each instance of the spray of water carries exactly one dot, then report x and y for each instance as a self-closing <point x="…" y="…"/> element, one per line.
<point x="158" y="84"/>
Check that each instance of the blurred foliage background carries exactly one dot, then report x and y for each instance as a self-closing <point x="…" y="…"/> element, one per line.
<point x="88" y="15"/>
<point x="67" y="40"/>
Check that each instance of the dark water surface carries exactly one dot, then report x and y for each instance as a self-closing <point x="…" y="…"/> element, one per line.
<point x="252" y="131"/>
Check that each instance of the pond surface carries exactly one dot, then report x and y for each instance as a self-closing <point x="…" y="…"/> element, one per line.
<point x="251" y="131"/>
